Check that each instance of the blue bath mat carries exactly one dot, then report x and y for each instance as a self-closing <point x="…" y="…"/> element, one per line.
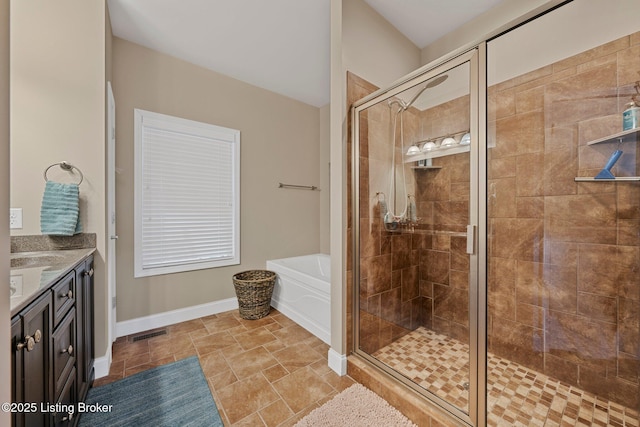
<point x="176" y="394"/>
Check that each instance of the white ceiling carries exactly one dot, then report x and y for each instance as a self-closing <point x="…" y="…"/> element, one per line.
<point x="278" y="45"/>
<point x="425" y="21"/>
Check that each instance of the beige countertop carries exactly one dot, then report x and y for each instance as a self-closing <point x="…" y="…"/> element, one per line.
<point x="33" y="273"/>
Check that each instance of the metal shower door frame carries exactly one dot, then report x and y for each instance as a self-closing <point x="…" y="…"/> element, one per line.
<point x="476" y="57"/>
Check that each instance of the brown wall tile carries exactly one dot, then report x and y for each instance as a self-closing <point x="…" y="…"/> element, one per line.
<point x="520" y="343"/>
<point x="530" y="100"/>
<point x="629" y="326"/>
<point x="519" y="134"/>
<point x="628" y="65"/>
<point x="565" y="100"/>
<point x="530" y="207"/>
<point x="591" y="54"/>
<point x="581" y="218"/>
<point x="530" y="315"/>
<point x="597" y="307"/>
<point x="580" y="340"/>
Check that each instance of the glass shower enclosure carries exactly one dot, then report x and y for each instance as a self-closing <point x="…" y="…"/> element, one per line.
<point x="417" y="147"/>
<point x="493" y="273"/>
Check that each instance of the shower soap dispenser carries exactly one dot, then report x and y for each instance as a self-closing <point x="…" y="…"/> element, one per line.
<point x="631" y="117"/>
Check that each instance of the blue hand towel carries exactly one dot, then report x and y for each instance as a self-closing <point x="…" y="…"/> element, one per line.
<point x="60" y="211"/>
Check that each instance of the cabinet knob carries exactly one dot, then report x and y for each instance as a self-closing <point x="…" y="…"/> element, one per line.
<point x="67" y="295"/>
<point x="68" y="350"/>
<point x="30" y="341"/>
<point x="89" y="273"/>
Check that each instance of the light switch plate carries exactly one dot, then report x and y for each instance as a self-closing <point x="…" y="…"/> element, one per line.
<point x="15" y="218"/>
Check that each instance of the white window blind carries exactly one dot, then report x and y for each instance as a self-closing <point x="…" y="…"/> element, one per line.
<point x="187" y="195"/>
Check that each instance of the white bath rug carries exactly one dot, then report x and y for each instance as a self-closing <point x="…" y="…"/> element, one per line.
<point x="356" y="406"/>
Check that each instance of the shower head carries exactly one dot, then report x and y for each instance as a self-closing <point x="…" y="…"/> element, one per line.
<point x="435" y="82"/>
<point x="431" y="83"/>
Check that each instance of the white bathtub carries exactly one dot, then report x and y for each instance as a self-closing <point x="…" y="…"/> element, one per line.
<point x="303" y="292"/>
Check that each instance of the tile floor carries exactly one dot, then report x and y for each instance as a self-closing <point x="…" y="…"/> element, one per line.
<point x="517" y="396"/>
<point x="266" y="372"/>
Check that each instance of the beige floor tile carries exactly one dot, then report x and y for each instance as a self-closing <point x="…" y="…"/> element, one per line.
<point x="274" y="373"/>
<point x="254" y="338"/>
<point x="252" y="420"/>
<point x="297" y="356"/>
<point x="275" y="413"/>
<point x="213" y="342"/>
<point x="292" y="334"/>
<point x="221" y="324"/>
<point x="246" y="397"/>
<point x="302" y="388"/>
<point x="252" y="361"/>
<point x="214" y="364"/>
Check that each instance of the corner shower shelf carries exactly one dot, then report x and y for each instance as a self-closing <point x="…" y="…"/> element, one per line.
<point x="625" y="136"/>
<point x="426" y="167"/>
<point x="618" y="178"/>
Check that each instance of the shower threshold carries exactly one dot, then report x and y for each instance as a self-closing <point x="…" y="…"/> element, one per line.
<point x="516" y="395"/>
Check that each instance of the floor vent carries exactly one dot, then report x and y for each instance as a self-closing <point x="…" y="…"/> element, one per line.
<point x="147" y="335"/>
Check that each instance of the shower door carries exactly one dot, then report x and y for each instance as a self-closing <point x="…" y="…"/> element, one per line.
<point x="415" y="220"/>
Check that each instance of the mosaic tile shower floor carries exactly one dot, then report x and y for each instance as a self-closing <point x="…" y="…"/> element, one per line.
<point x="517" y="396"/>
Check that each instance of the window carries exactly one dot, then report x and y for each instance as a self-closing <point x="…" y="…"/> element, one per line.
<point x="187" y="195"/>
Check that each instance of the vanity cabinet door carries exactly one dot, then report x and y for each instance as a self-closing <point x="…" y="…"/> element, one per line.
<point x="64" y="350"/>
<point x="84" y="311"/>
<point x="67" y="398"/>
<point x="17" y="368"/>
<point x="32" y="361"/>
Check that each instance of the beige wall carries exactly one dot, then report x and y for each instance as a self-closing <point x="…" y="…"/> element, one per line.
<point x="355" y="28"/>
<point x="57" y="113"/>
<point x="337" y="198"/>
<point x="5" y="362"/>
<point x="279" y="143"/>
<point x="373" y="48"/>
<point x="480" y="27"/>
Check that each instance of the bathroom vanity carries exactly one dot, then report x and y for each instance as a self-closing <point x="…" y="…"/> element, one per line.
<point x="52" y="335"/>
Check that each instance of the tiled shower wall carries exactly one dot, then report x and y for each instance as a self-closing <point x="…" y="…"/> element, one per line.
<point x="443" y="205"/>
<point x="564" y="257"/>
<point x="389" y="277"/>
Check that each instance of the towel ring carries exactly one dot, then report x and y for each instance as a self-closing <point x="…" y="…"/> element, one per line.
<point x="64" y="166"/>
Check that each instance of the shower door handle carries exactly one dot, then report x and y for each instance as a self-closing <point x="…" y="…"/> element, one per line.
<point x="471" y="239"/>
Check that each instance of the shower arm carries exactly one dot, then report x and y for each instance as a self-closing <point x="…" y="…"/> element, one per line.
<point x="432" y="83"/>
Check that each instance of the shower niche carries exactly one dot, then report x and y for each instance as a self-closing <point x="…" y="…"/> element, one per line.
<point x="415" y="249"/>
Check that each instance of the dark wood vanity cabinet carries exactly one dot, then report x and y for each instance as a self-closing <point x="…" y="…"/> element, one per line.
<point x="52" y="351"/>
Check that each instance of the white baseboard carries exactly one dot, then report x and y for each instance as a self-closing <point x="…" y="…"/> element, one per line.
<point x="102" y="365"/>
<point x="159" y="320"/>
<point x="337" y="362"/>
<point x="133" y="326"/>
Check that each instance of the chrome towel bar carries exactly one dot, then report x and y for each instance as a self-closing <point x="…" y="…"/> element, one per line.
<point x="302" y="187"/>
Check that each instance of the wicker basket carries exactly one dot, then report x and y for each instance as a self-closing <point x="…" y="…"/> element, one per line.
<point x="254" y="289"/>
